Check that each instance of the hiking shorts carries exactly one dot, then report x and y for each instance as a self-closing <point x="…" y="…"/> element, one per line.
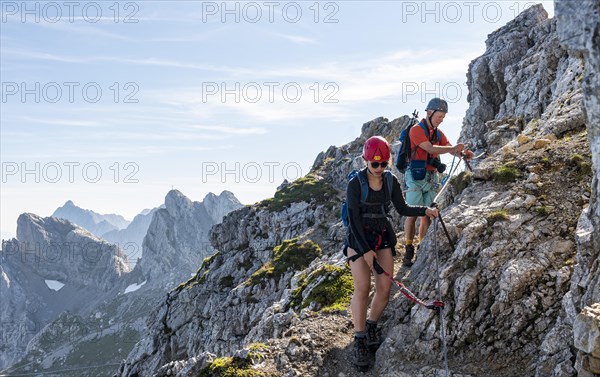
<point x="421" y="193"/>
<point x="376" y="240"/>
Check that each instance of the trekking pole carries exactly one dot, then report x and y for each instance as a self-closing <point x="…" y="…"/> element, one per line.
<point x="435" y="205"/>
<point x="444" y="228"/>
<point x="436" y="304"/>
<point x="439" y="294"/>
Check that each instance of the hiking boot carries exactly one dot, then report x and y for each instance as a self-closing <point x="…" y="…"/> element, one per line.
<point x="361" y="354"/>
<point x="373" y="340"/>
<point x="408" y="256"/>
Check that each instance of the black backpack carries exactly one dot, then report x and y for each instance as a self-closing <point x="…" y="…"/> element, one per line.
<point x="403" y="160"/>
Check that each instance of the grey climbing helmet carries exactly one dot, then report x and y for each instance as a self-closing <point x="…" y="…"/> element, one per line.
<point x="437" y="104"/>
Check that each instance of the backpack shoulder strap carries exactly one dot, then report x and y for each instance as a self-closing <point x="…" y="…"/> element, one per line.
<point x="437" y="134"/>
<point x="389" y="183"/>
<point x="425" y="129"/>
<point x="364" y="185"/>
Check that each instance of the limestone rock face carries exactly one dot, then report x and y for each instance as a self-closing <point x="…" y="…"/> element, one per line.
<point x="579" y="32"/>
<point x="219" y="206"/>
<point x="523" y="269"/>
<point x="177" y="239"/>
<point x="586" y="331"/>
<point x="52" y="266"/>
<point x="56" y="249"/>
<point x="524" y="74"/>
<point x="131" y="238"/>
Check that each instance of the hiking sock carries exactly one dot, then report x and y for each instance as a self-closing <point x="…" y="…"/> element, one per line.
<point x="408" y="256"/>
<point x="360" y="334"/>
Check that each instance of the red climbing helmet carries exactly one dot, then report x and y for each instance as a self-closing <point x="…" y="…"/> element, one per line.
<point x="376" y="149"/>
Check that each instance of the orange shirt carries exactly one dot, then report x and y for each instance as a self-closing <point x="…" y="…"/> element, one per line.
<point x="417" y="136"/>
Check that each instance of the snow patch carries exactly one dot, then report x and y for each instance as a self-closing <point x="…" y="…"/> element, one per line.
<point x="5" y="278"/>
<point x="55" y="285"/>
<point x="134" y="287"/>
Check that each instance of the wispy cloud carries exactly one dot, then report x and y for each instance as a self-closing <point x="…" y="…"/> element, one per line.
<point x="151" y="135"/>
<point x="233" y="130"/>
<point x="146" y="61"/>
<point x="296" y="38"/>
<point x="112" y="152"/>
<point x="80" y="27"/>
<point x="63" y="122"/>
<point x="341" y="87"/>
<point x="415" y="66"/>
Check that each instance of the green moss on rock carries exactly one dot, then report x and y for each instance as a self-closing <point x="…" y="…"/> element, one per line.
<point x="582" y="164"/>
<point x="332" y="294"/>
<point x="305" y="189"/>
<point x="506" y="173"/>
<point x="291" y="254"/>
<point x="500" y="215"/>
<point x="208" y="260"/>
<point x="230" y="367"/>
<point x="461" y="181"/>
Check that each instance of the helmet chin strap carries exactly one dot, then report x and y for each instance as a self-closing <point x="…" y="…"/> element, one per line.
<point x="431" y="121"/>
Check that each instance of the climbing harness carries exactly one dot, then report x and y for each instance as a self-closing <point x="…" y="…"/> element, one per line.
<point x="436" y="304"/>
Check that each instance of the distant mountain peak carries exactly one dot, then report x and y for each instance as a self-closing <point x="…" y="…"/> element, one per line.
<point x="96" y="223"/>
<point x="177" y="236"/>
<point x="227" y="194"/>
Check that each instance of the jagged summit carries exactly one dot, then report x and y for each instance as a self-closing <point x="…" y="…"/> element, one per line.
<point x="98" y="224"/>
<point x="218" y="206"/>
<point x="175" y="202"/>
<point x="177" y="238"/>
<point x="517" y="28"/>
<point x="525" y="74"/>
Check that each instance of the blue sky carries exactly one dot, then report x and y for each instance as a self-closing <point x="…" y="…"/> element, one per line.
<point x="111" y="104"/>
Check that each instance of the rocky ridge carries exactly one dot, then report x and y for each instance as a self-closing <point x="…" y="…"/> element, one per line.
<point x="177" y="239"/>
<point x="94" y="320"/>
<point x="95" y="223"/>
<point x="523" y="250"/>
<point x="579" y="31"/>
<point x="131" y="238"/>
<point x="50" y="249"/>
